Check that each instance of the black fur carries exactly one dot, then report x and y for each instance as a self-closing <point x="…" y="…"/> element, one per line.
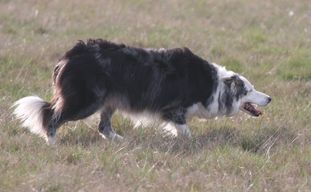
<point x="104" y="75"/>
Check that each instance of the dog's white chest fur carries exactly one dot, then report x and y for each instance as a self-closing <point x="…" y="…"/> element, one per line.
<point x="198" y="110"/>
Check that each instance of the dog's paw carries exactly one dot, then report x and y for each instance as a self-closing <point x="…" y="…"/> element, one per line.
<point x="183" y="131"/>
<point x="51" y="140"/>
<point x="112" y="136"/>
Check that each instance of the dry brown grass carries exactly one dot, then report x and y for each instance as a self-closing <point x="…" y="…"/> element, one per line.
<point x="268" y="42"/>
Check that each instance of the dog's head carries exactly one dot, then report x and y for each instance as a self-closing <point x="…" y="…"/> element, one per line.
<point x="239" y="94"/>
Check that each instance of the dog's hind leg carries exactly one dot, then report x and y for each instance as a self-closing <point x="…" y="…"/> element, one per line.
<point x="72" y="108"/>
<point x="53" y="125"/>
<point x="105" y="129"/>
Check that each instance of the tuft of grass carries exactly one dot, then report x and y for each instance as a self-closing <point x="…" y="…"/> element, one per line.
<point x="217" y="52"/>
<point x="232" y="64"/>
<point x="298" y="67"/>
<point x="255" y="36"/>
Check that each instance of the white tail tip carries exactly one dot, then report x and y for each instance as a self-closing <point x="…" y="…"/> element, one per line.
<point x="29" y="111"/>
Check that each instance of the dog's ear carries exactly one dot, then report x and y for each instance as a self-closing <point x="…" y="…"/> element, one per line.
<point x="236" y="85"/>
<point x="229" y="80"/>
<point x="233" y="80"/>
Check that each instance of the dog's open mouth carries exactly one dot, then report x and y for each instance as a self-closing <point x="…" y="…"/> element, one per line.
<point x="250" y="109"/>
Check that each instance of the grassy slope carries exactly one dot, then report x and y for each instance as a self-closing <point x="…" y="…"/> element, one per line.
<point x="261" y="40"/>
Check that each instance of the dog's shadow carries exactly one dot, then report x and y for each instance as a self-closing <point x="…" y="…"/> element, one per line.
<point x="257" y="142"/>
<point x="179" y="145"/>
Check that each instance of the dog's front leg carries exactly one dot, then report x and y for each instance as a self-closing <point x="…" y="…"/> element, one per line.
<point x="183" y="130"/>
<point x="177" y="120"/>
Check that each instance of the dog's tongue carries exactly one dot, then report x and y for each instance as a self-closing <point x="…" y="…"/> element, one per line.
<point x="252" y="110"/>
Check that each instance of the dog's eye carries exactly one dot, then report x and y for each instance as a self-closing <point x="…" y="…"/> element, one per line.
<point x="247" y="91"/>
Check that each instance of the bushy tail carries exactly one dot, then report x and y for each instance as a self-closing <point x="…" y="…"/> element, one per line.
<point x="34" y="113"/>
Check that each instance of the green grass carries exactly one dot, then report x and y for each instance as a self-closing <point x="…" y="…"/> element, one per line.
<point x="256" y="38"/>
<point x="298" y="67"/>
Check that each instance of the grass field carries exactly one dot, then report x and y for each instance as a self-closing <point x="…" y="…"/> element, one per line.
<point x="268" y="42"/>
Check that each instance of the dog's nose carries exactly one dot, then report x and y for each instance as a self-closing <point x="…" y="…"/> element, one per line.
<point x="269" y="99"/>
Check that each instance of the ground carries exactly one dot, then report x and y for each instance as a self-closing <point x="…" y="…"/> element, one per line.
<point x="266" y="41"/>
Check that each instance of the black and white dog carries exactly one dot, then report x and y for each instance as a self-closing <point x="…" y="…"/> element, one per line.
<point x="173" y="84"/>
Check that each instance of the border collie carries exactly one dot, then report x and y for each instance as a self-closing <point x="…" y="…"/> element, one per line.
<point x="174" y="84"/>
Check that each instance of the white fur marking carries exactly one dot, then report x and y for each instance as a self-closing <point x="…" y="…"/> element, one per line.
<point x="143" y="119"/>
<point x="223" y="72"/>
<point x="176" y="129"/>
<point x="200" y="111"/>
<point x="29" y="111"/>
<point x="257" y="97"/>
<point x="51" y="140"/>
<point x="169" y="129"/>
<point x="112" y="136"/>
